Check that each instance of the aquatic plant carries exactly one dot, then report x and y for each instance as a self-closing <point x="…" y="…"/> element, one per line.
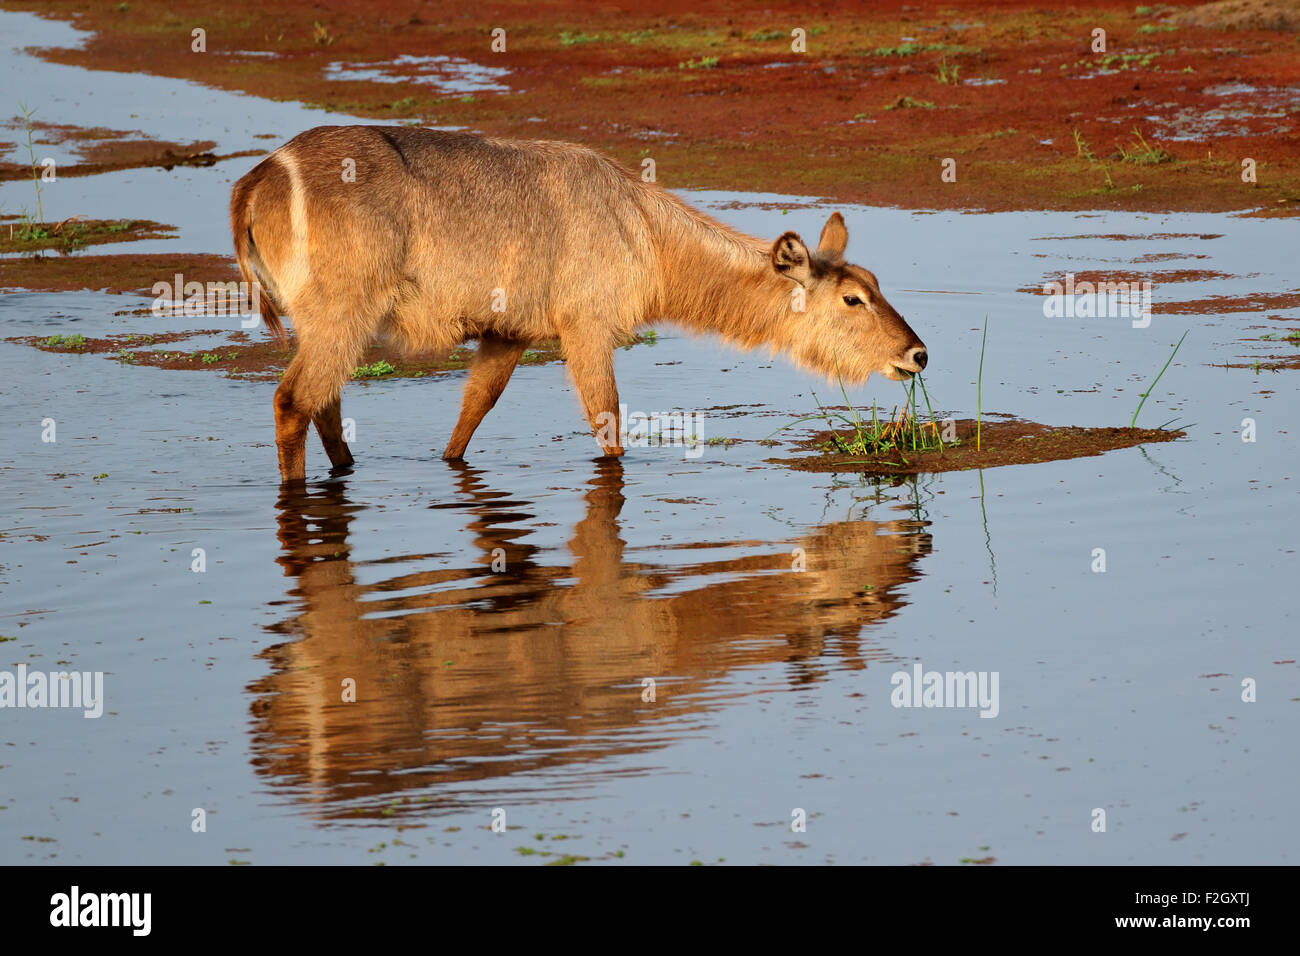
<point x="904" y="430"/>
<point x="1152" y="386"/>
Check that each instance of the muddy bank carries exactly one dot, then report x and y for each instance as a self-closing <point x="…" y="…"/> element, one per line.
<point x="1282" y="15"/>
<point x="101" y="150"/>
<point x="76" y="233"/>
<point x="1012" y="442"/>
<point x="1032" y="116"/>
<point x="1222" y="304"/>
<point x="239" y="355"/>
<point x="136" y="272"/>
<point x="1090" y="282"/>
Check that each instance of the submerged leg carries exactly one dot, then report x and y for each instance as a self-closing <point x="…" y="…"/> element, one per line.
<point x="309" y="392"/>
<point x="329" y="425"/>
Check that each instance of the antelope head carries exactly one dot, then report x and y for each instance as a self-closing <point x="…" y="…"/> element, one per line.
<point x="846" y="327"/>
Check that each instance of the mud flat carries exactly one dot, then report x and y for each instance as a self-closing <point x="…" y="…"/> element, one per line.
<point x="76" y="233"/>
<point x="1032" y="115"/>
<point x="99" y="150"/>
<point x="131" y="272"/>
<point x="237" y="355"/>
<point x="1014" y="442"/>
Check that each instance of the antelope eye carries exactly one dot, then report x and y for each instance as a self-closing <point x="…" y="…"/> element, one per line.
<point x="852" y="300"/>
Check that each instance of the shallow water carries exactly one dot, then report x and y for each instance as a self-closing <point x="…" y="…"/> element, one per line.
<point x="446" y="74"/>
<point x="521" y="688"/>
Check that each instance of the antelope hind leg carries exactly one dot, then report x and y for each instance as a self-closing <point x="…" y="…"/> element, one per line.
<point x="290" y="433"/>
<point x="309" y="392"/>
<point x="329" y="425"/>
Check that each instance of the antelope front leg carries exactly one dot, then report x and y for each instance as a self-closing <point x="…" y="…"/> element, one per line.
<point x="493" y="365"/>
<point x="593" y="375"/>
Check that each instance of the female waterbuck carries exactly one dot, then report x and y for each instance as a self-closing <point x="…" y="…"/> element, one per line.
<point x="431" y="239"/>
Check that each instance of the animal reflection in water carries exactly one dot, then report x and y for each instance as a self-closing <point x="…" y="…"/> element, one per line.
<point x="471" y="674"/>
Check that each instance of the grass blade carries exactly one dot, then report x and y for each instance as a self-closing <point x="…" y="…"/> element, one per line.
<point x="1151" y="388"/>
<point x="979" y="390"/>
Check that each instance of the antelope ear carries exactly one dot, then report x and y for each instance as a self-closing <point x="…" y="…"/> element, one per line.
<point x="790" y="258"/>
<point x="834" y="238"/>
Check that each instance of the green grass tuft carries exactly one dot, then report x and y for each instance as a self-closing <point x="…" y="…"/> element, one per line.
<point x="376" y="370"/>
<point x="902" y="432"/>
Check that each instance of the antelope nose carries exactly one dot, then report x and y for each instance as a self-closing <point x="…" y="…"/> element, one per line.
<point x="918" y="356"/>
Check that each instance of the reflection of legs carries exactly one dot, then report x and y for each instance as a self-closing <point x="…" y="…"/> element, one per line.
<point x="313" y="527"/>
<point x="597" y="544"/>
<point x="329" y="425"/>
<point x="593" y="375"/>
<point x="493" y="365"/>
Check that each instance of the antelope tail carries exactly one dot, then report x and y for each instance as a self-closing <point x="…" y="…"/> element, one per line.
<point x="251" y="265"/>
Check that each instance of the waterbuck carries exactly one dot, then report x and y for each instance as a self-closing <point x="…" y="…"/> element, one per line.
<point x="431" y="239"/>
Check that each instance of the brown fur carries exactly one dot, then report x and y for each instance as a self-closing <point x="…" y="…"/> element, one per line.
<point x="435" y="223"/>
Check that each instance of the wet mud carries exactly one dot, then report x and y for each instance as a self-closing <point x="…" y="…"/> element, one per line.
<point x="253" y="357"/>
<point x="69" y="235"/>
<point x="123" y="273"/>
<point x="100" y="150"/>
<point x="999" y="443"/>
<point x="1016" y="96"/>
